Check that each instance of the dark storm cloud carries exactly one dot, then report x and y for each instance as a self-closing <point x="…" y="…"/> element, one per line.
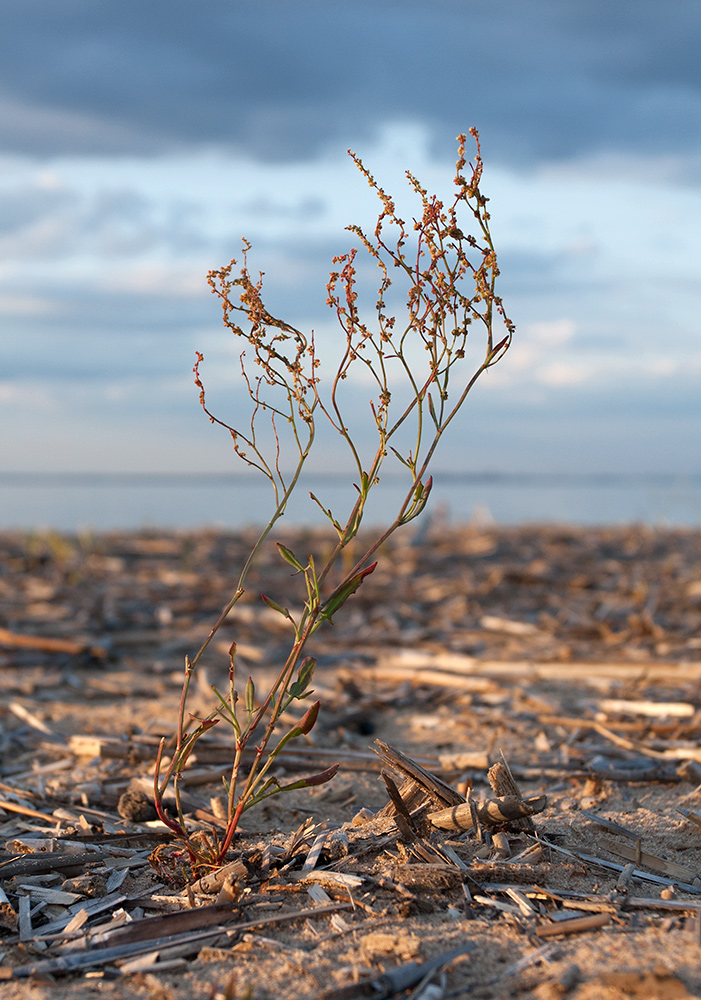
<point x="277" y="79"/>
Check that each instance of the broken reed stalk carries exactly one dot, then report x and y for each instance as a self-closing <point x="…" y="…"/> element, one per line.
<point x="421" y="375"/>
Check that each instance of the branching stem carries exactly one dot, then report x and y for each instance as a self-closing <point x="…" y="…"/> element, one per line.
<point x="451" y="287"/>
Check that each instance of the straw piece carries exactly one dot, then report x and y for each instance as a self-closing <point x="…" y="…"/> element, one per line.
<point x="576" y="925"/>
<point x="676" y="709"/>
<point x="18" y="640"/>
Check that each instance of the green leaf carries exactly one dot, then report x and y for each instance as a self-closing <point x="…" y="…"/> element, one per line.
<point x="267" y="790"/>
<point x="303" y="727"/>
<point x="432" y="410"/>
<point x="191" y="739"/>
<point x="226" y="711"/>
<point x="400" y="457"/>
<point x="420" y="499"/>
<point x="312" y="585"/>
<point x="328" y="513"/>
<point x="277" y="607"/>
<point x="250" y="695"/>
<point x="304" y="676"/>
<point x="341" y="595"/>
<point x="290" y="557"/>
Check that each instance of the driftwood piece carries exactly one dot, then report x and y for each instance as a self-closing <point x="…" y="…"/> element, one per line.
<point x="504" y="785"/>
<point x="451" y="811"/>
<point x="608" y="824"/>
<point x="693" y="817"/>
<point x="427" y="785"/>
<point x="402" y="816"/>
<point x="211" y="884"/>
<point x="23" y="713"/>
<point x="507" y="810"/>
<point x="502" y="780"/>
<point x="167" y="924"/>
<point x="652" y="903"/>
<point x="141" y="748"/>
<point x="651" y="709"/>
<point x="92" y="907"/>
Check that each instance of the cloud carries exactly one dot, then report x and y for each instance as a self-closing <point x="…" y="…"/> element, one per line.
<point x="120" y="251"/>
<point x="545" y="80"/>
<point x="25" y="305"/>
<point x="104" y="257"/>
<point x="563" y="373"/>
<point x="41" y="128"/>
<point x="553" y="334"/>
<point x="20" y="393"/>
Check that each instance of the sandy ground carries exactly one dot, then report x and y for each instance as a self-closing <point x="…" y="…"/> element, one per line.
<point x="574" y="653"/>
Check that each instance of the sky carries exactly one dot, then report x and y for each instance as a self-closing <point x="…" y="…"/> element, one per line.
<point x="140" y="141"/>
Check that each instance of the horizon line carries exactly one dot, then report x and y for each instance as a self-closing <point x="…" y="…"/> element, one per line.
<point x="90" y="477"/>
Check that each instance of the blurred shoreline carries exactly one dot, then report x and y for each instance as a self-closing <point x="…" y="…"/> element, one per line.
<point x="539" y="593"/>
<point x="72" y="502"/>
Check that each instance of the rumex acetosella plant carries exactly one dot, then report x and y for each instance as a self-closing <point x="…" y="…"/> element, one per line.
<point x="417" y="362"/>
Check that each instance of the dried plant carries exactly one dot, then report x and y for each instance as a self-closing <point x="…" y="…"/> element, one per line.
<point x="421" y="374"/>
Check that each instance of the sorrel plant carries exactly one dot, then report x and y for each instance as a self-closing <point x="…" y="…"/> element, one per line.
<point x="448" y="285"/>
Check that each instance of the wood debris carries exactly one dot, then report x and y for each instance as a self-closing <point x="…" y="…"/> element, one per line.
<point x="517" y="716"/>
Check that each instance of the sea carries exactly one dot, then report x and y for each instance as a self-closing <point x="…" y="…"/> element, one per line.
<point x="76" y="502"/>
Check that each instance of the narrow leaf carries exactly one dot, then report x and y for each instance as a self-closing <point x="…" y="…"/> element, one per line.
<point x="303" y="727"/>
<point x="328" y="513"/>
<point x="495" y="350"/>
<point x="304" y="676"/>
<point x="432" y="410"/>
<point x="225" y="709"/>
<point x="340" y="596"/>
<point x="306" y="723"/>
<point x="322" y="777"/>
<point x="290" y="557"/>
<point x="421" y="495"/>
<point x="250" y="695"/>
<point x="276" y="607"/>
<point x="315" y="779"/>
<point x="401" y="459"/>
